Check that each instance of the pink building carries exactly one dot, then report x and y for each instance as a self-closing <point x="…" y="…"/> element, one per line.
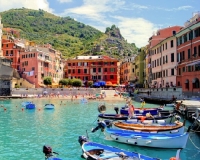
<point x="39" y="62"/>
<point x="162" y="58"/>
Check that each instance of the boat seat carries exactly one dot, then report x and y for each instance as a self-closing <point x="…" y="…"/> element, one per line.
<point x="148" y="121"/>
<point x="107" y="155"/>
<point x="161" y="121"/>
<point x="132" y="120"/>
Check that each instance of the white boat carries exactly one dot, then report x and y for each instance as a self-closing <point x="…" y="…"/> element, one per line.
<point x="49" y="106"/>
<point x="144" y="138"/>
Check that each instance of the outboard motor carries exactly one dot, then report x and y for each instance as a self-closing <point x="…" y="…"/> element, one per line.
<point x="116" y="110"/>
<point x="178" y="118"/>
<point x="47" y="150"/>
<point x="82" y="139"/>
<point x="101" y="125"/>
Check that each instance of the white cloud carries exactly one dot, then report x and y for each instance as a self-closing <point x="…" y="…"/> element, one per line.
<point x="136" y="30"/>
<point x="64" y="1"/>
<point x="95" y="9"/>
<point x="36" y="4"/>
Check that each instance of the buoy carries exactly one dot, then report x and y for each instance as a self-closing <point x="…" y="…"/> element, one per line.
<point x="102" y="108"/>
<point x="174" y="158"/>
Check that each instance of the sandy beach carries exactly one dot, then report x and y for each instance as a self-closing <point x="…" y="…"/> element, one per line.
<point x="106" y="95"/>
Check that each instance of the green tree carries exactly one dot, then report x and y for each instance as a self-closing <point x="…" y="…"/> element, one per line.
<point x="90" y="83"/>
<point x="63" y="82"/>
<point x="77" y="83"/>
<point x="47" y="81"/>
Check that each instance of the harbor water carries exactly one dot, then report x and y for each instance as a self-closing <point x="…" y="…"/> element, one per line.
<point x="24" y="132"/>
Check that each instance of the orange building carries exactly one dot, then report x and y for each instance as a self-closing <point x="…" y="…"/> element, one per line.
<point x="92" y="68"/>
<point x="188" y="56"/>
<point x="11" y="51"/>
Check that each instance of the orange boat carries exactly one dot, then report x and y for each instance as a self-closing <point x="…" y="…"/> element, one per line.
<point x="148" y="127"/>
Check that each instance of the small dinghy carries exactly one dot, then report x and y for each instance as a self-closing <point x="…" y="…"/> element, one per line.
<point x="28" y="105"/>
<point x="96" y="151"/>
<point x="144" y="138"/>
<point x="49" y="154"/>
<point x="49" y="106"/>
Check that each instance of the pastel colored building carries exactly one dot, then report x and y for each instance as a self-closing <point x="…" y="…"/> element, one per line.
<point x="1" y="27"/>
<point x="127" y="71"/>
<point x="39" y="62"/>
<point x="92" y="68"/>
<point x="162" y="58"/>
<point x="188" y="56"/>
<point x="164" y="64"/>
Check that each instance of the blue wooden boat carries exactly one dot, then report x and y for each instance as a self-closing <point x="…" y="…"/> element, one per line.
<point x="144" y="111"/>
<point x="28" y="105"/>
<point x="96" y="151"/>
<point x="49" y="154"/>
<point x="49" y="106"/>
<point x="166" y="117"/>
<point x="144" y="138"/>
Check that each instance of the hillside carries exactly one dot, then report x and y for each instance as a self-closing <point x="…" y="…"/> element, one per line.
<point x="72" y="38"/>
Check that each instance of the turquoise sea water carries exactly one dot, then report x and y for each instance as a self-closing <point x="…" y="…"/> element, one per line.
<point x="24" y="132"/>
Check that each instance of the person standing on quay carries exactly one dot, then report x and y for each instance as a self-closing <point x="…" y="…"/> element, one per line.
<point x="130" y="110"/>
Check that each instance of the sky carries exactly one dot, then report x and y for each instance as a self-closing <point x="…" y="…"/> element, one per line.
<point x="136" y="19"/>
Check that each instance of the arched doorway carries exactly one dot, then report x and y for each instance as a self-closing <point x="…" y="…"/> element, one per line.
<point x="187" y="84"/>
<point x="195" y="83"/>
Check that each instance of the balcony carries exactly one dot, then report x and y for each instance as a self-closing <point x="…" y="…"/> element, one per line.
<point x="40" y="58"/>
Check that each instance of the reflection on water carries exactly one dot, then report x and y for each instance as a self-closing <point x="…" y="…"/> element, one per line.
<point x="24" y="132"/>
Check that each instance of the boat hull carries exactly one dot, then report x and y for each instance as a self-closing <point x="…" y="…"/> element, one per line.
<point x="148" y="126"/>
<point x="166" y="118"/>
<point x="147" y="139"/>
<point x="49" y="106"/>
<point x="109" y="152"/>
<point x="152" y="111"/>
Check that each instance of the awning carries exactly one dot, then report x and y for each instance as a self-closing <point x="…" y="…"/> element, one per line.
<point x="114" y="85"/>
<point x="96" y="84"/>
<point x="186" y="81"/>
<point x="54" y="84"/>
<point x="193" y="63"/>
<point x="194" y="80"/>
<point x="108" y="83"/>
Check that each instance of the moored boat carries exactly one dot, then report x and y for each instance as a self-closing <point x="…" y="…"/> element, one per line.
<point x="144" y="138"/>
<point x="97" y="151"/>
<point x="167" y="117"/>
<point x="28" y="105"/>
<point x="151" y="126"/>
<point x="49" y="106"/>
